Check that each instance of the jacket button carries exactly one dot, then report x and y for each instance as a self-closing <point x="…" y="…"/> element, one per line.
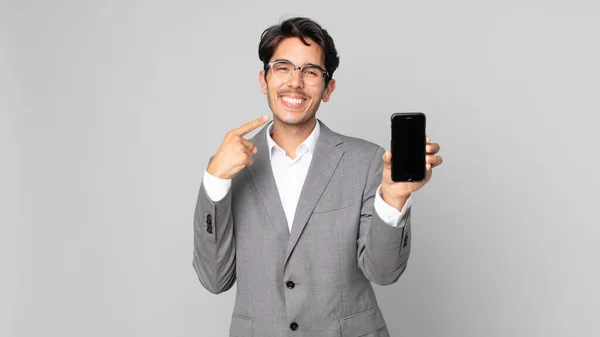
<point x="290" y="284"/>
<point x="208" y="219"/>
<point x="294" y="326"/>
<point x="209" y="229"/>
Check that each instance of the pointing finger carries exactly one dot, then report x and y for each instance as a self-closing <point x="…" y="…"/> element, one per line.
<point x="248" y="127"/>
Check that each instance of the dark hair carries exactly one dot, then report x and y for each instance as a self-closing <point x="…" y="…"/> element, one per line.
<point x="302" y="28"/>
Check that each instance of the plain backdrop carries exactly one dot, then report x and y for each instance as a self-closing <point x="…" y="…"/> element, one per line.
<point x="110" y="111"/>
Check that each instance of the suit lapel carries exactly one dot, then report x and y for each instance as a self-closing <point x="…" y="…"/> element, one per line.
<point x="326" y="158"/>
<point x="262" y="175"/>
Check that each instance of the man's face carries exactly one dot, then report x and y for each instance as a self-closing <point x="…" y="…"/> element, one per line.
<point x="292" y="101"/>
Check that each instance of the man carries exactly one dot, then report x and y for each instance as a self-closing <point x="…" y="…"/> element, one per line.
<point x="304" y="218"/>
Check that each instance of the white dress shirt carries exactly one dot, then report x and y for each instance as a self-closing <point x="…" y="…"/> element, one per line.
<point x="290" y="175"/>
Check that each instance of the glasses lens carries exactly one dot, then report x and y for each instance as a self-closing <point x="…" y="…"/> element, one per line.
<point x="283" y="71"/>
<point x="312" y="75"/>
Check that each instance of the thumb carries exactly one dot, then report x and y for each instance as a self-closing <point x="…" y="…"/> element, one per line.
<point x="387" y="160"/>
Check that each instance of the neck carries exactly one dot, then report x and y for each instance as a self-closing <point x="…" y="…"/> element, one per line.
<point x="289" y="137"/>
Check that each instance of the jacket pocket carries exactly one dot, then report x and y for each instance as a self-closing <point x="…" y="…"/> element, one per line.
<point x="362" y="323"/>
<point x="241" y="326"/>
<point x="323" y="207"/>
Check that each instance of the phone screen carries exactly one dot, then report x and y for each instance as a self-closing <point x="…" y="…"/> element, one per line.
<point x="408" y="146"/>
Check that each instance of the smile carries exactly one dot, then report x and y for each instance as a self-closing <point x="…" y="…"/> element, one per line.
<point x="293" y="102"/>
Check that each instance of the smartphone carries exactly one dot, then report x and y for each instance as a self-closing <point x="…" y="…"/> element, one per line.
<point x="408" y="146"/>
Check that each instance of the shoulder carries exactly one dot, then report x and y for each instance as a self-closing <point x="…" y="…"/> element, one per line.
<point x="359" y="146"/>
<point x="360" y="156"/>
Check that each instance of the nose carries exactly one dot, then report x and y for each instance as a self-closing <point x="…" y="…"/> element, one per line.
<point x="296" y="81"/>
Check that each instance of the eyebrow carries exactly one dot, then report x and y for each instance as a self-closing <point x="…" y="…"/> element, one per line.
<point x="306" y="64"/>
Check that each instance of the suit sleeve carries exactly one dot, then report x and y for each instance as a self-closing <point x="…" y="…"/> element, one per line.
<point x="383" y="250"/>
<point x="214" y="243"/>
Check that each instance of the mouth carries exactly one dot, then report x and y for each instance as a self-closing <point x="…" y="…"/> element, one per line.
<point x="293" y="101"/>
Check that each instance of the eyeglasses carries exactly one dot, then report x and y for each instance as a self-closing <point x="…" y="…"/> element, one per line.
<point x="312" y="74"/>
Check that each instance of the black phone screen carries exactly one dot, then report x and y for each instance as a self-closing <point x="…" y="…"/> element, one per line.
<point x="408" y="146"/>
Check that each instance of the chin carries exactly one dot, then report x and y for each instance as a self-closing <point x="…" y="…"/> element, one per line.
<point x="293" y="119"/>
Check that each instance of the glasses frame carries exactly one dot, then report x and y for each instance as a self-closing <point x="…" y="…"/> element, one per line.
<point x="324" y="72"/>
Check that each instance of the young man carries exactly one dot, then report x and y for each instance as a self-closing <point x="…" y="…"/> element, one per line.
<point x="304" y="218"/>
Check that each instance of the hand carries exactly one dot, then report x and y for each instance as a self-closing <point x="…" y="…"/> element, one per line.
<point x="395" y="194"/>
<point x="235" y="152"/>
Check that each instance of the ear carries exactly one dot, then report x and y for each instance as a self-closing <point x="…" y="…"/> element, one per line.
<point x="263" y="82"/>
<point x="328" y="90"/>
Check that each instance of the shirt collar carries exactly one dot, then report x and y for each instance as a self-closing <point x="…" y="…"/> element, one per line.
<point x="310" y="142"/>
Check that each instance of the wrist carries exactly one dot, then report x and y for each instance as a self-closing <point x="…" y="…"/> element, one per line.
<point x="397" y="203"/>
<point x="214" y="172"/>
<point x="396" y="200"/>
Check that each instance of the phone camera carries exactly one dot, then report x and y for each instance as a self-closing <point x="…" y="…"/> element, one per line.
<point x="408" y="178"/>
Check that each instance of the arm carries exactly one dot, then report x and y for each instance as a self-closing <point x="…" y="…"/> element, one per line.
<point x="383" y="250"/>
<point x="214" y="243"/>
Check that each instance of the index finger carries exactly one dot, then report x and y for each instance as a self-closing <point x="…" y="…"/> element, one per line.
<point x="248" y="127"/>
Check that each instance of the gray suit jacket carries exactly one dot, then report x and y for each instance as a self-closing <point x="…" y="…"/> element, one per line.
<point x="316" y="280"/>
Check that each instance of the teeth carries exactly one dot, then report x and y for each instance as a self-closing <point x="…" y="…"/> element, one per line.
<point x="293" y="100"/>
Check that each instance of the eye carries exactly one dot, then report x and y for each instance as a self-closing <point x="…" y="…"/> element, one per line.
<point x="312" y="72"/>
<point x="282" y="67"/>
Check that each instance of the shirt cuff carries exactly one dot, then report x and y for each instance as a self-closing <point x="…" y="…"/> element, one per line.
<point x="389" y="214"/>
<point x="215" y="188"/>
